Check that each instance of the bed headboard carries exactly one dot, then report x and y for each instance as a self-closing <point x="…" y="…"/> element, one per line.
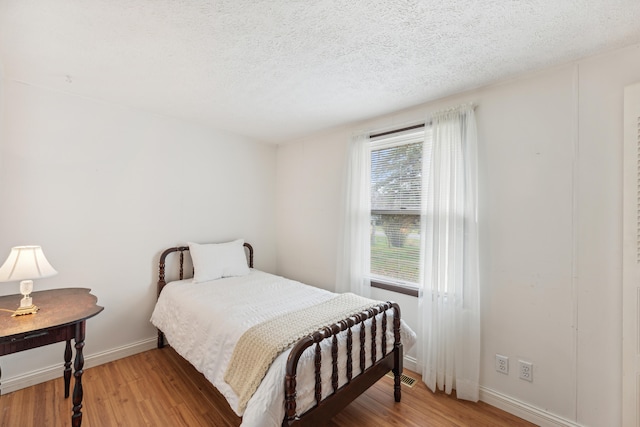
<point x="182" y="250"/>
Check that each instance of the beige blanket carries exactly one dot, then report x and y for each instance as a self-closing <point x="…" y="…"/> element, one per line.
<point x="261" y="344"/>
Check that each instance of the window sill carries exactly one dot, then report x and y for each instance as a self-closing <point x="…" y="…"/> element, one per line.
<point x="406" y="290"/>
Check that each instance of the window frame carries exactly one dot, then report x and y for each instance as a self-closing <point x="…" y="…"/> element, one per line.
<point x="405" y="136"/>
<point x="395" y="287"/>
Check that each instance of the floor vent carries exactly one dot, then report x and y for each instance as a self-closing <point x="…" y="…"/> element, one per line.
<point x="404" y="379"/>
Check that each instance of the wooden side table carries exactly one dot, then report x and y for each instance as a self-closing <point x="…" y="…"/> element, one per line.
<point x="62" y="316"/>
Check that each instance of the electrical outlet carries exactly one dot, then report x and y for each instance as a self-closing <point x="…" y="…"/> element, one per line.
<point x="525" y="370"/>
<point x="502" y="364"/>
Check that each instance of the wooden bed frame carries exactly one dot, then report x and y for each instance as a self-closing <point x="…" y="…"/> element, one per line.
<point x="356" y="384"/>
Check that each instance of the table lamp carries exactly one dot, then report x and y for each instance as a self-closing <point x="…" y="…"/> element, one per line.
<point x="26" y="263"/>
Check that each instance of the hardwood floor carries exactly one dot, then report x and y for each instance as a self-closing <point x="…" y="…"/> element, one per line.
<point x="159" y="388"/>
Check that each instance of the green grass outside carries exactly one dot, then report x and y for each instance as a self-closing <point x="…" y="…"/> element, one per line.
<point x="397" y="263"/>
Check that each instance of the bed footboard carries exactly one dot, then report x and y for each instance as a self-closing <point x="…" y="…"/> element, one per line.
<point x="356" y="383"/>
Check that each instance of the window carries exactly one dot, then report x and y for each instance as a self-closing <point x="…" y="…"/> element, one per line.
<point x="396" y="191"/>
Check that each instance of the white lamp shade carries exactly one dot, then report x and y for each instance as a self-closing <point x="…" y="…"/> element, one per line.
<point x="26" y="262"/>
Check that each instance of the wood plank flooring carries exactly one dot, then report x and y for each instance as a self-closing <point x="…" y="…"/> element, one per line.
<point x="159" y="388"/>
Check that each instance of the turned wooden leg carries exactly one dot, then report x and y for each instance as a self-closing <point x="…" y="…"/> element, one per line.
<point x="160" y="339"/>
<point x="397" y="390"/>
<point x="67" y="369"/>
<point x="76" y="418"/>
<point x="397" y="372"/>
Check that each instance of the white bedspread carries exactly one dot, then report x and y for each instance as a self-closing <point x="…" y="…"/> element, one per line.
<point x="203" y="321"/>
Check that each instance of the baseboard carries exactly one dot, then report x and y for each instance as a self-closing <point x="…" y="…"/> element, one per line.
<point x="523" y="410"/>
<point x="410" y="363"/>
<point x="55" y="371"/>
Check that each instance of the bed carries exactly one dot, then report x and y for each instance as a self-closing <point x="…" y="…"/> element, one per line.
<point x="208" y="317"/>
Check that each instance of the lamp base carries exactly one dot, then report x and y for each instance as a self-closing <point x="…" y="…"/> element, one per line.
<point x="21" y="311"/>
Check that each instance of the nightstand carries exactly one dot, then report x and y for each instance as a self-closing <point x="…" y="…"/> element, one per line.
<point x="62" y="316"/>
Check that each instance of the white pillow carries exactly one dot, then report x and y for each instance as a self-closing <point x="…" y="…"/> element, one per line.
<point x="216" y="260"/>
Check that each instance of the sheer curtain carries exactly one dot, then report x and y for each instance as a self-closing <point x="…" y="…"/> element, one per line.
<point x="449" y="306"/>
<point x="354" y="250"/>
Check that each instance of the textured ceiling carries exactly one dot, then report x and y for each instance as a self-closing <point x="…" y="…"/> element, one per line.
<point x="277" y="70"/>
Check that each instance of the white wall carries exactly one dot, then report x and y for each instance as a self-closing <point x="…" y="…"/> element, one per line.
<point x="550" y="189"/>
<point x="104" y="189"/>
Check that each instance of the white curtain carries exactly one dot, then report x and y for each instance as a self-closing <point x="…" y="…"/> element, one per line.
<point x="449" y="306"/>
<point x="354" y="250"/>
